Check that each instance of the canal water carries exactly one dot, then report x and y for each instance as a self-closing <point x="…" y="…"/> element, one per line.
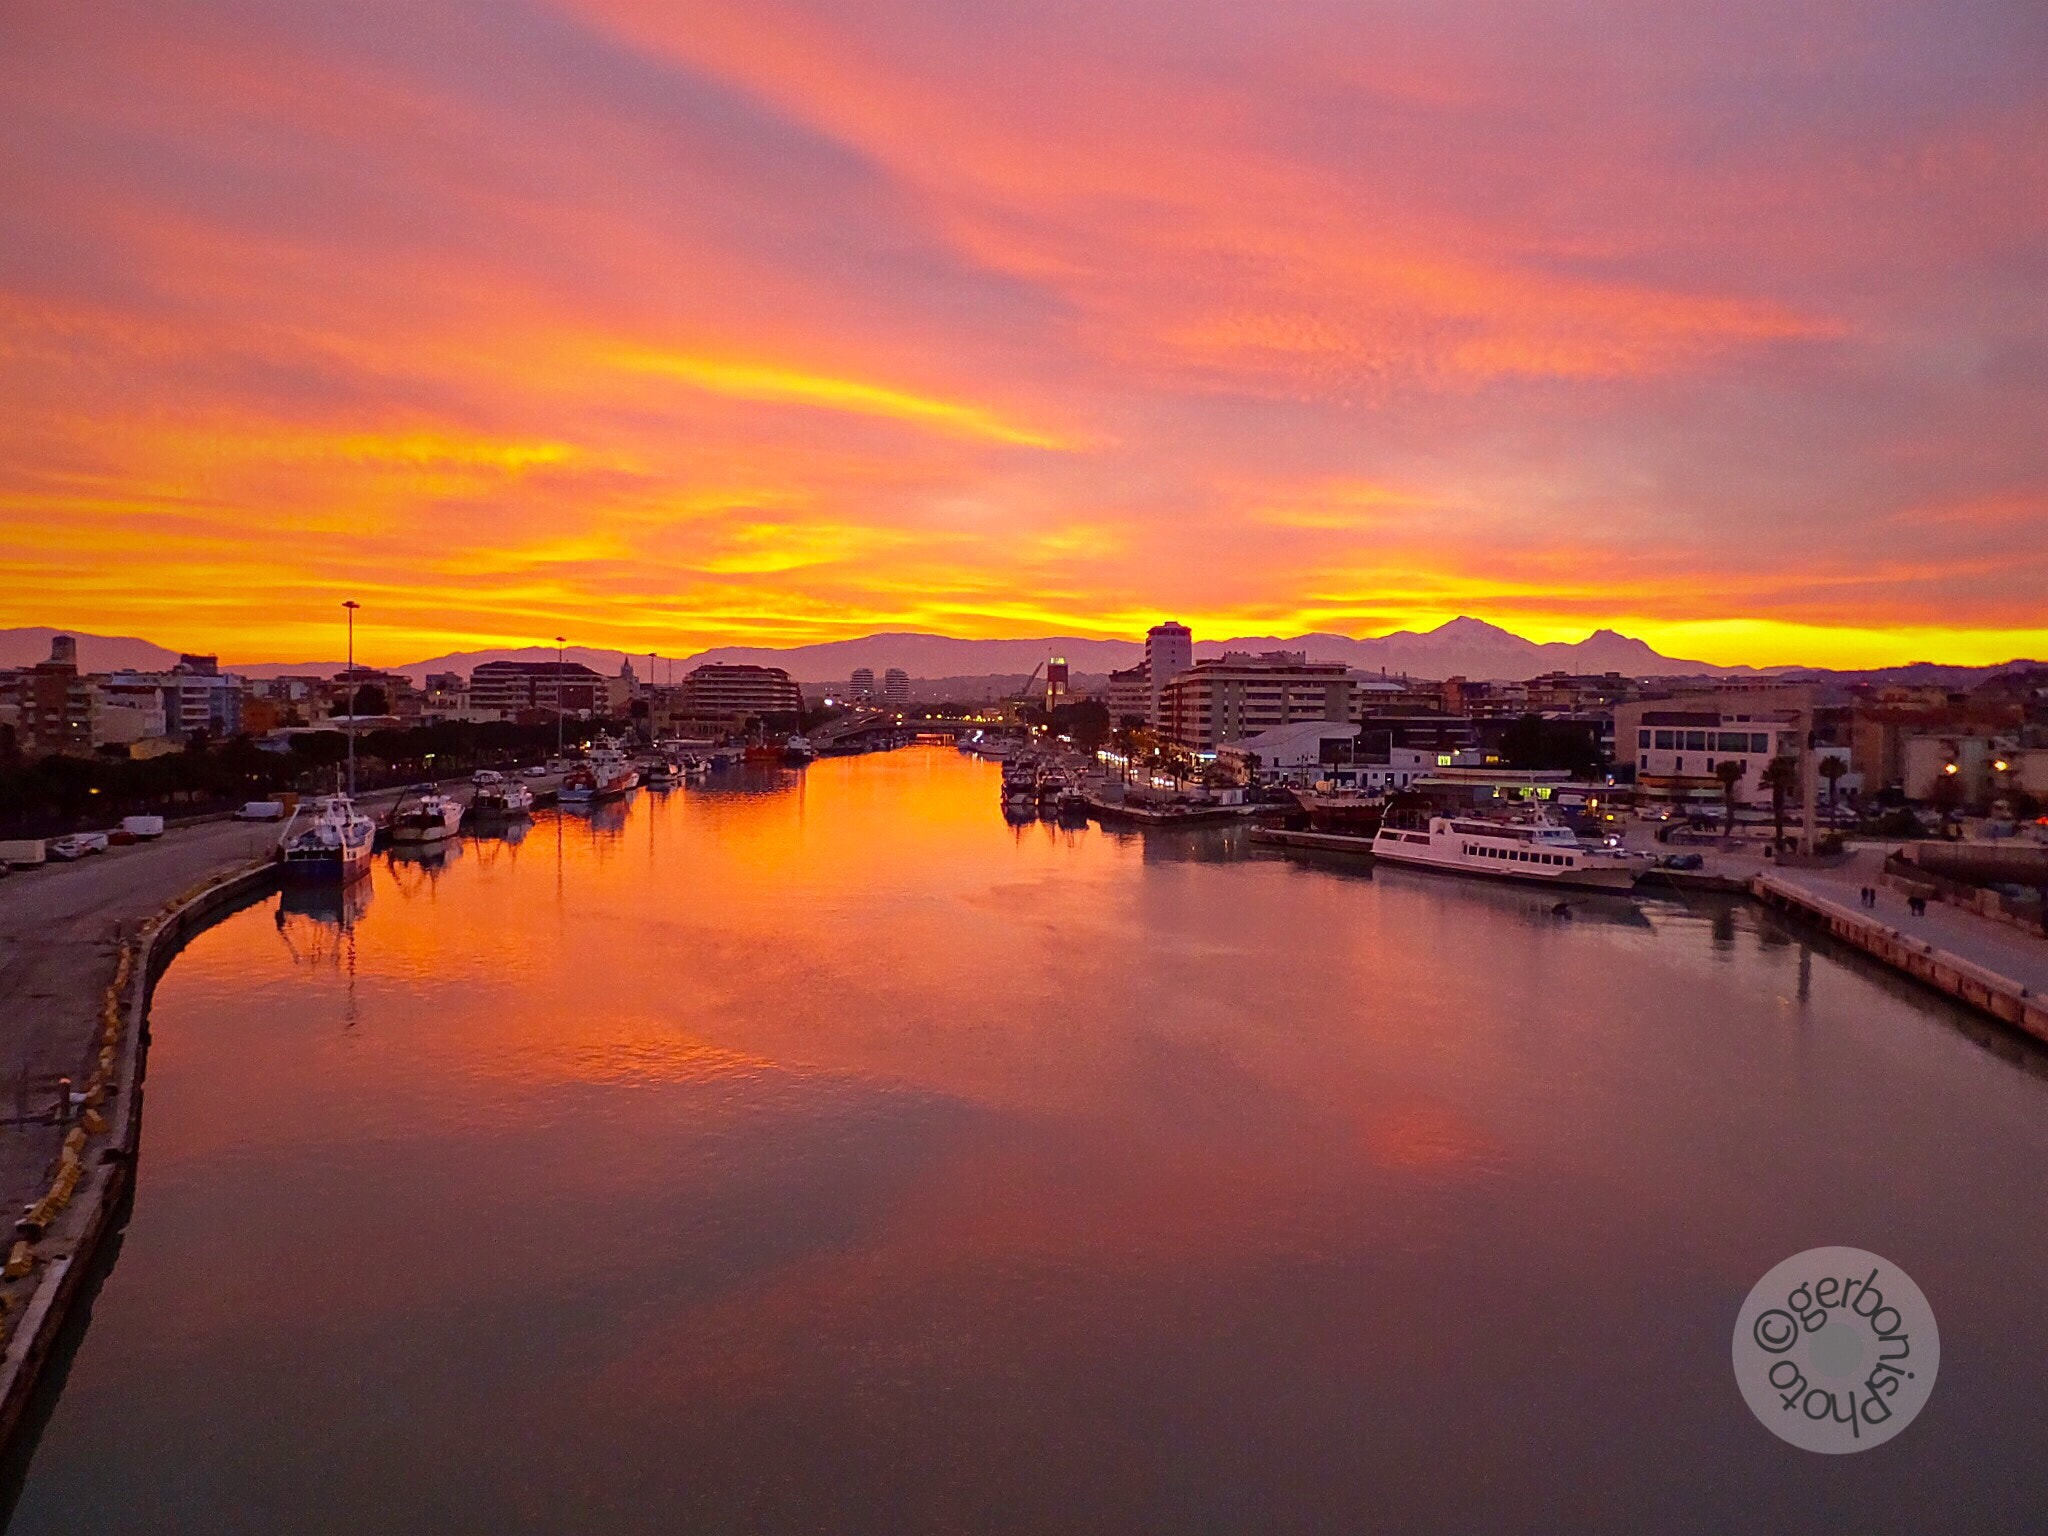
<point x="818" y="1153"/>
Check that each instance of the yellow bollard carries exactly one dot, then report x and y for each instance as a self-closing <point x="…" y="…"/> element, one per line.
<point x="19" y="1262"/>
<point x="92" y="1119"/>
<point x="74" y="1140"/>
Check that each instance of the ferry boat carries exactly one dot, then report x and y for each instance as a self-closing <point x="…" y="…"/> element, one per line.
<point x="334" y="846"/>
<point x="1540" y="850"/>
<point x="604" y="775"/>
<point x="430" y="817"/>
<point x="499" y="798"/>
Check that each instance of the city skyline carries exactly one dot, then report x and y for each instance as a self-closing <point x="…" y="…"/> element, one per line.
<point x="773" y="324"/>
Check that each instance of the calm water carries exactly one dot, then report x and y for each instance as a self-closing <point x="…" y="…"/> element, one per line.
<point x="824" y="1155"/>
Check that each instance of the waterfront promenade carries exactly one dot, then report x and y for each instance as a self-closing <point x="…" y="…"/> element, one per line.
<point x="60" y="932"/>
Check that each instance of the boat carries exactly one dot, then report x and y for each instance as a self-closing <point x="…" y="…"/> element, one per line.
<point x="660" y="772"/>
<point x="604" y="775"/>
<point x="429" y="817"/>
<point x="1539" y="850"/>
<point x="798" y="750"/>
<point x="77" y="845"/>
<point x="334" y="844"/>
<point x="1350" y="813"/>
<point x="498" y="798"/>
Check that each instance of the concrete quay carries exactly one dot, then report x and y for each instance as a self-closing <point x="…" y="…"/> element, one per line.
<point x="1994" y="967"/>
<point x="80" y="946"/>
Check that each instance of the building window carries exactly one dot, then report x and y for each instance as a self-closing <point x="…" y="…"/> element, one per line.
<point x="1695" y="741"/>
<point x="1642" y="738"/>
<point x="1759" y="742"/>
<point x="1664" y="741"/>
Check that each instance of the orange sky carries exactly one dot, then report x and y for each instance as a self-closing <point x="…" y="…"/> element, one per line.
<point x="664" y="325"/>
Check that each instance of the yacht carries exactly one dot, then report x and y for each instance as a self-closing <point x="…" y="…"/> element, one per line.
<point x="798" y="750"/>
<point x="604" y="775"/>
<point x="1540" y="850"/>
<point x="429" y="817"/>
<point x="499" y="798"/>
<point x="333" y="845"/>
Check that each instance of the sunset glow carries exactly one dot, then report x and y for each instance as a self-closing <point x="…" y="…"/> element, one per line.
<point x="672" y="325"/>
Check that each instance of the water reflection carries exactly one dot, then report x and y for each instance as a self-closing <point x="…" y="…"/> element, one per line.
<point x="817" y="1151"/>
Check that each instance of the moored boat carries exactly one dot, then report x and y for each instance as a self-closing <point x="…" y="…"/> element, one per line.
<point x="604" y="775"/>
<point x="1347" y="812"/>
<point x="427" y="817"/>
<point x="1538" y="850"/>
<point x="334" y="844"/>
<point x="498" y="798"/>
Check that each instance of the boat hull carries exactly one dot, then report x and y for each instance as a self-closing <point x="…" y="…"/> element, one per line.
<point x="329" y="866"/>
<point x="1597" y="879"/>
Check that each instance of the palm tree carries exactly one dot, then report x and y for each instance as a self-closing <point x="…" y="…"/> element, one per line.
<point x="1832" y="768"/>
<point x="1729" y="771"/>
<point x="1781" y="777"/>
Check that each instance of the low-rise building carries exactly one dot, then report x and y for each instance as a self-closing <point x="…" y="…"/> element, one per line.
<point x="1677" y="745"/>
<point x="737" y="691"/>
<point x="1229" y="697"/>
<point x="1129" y="696"/>
<point x="53" y="704"/>
<point x="1289" y="751"/>
<point x="510" y="688"/>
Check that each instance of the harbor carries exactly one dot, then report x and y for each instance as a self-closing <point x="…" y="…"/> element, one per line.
<point x="468" y="1088"/>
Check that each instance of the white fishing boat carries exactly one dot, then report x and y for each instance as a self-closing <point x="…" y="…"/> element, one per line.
<point x="498" y="798"/>
<point x="333" y="844"/>
<point x="605" y="774"/>
<point x="428" y="816"/>
<point x="1537" y="850"/>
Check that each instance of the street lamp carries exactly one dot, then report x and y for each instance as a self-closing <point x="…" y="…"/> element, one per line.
<point x="351" y="605"/>
<point x="559" y="642"/>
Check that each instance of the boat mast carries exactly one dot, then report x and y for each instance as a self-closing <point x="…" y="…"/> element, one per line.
<point x="353" y="693"/>
<point x="558" y="696"/>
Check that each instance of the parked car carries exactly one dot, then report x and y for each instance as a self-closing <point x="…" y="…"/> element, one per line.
<point x="534" y="771"/>
<point x="78" y="845"/>
<point x="1682" y="861"/>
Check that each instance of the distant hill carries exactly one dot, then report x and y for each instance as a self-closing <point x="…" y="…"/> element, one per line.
<point x="96" y="653"/>
<point x="1460" y="648"/>
<point x="1463" y="647"/>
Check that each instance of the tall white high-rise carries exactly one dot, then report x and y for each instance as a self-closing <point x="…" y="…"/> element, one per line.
<point x="895" y="687"/>
<point x="1169" y="651"/>
<point x="863" y="681"/>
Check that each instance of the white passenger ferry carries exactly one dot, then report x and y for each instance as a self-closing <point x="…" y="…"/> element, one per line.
<point x="1541" y="851"/>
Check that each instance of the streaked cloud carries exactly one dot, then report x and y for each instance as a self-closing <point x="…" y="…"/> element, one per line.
<point x="773" y="321"/>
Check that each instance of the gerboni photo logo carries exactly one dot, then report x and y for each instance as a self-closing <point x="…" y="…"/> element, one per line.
<point x="1836" y="1350"/>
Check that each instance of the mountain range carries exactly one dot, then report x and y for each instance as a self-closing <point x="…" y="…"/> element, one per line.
<point x="1462" y="647"/>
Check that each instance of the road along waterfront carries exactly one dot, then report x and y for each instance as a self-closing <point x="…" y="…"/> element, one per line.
<point x="816" y="1151"/>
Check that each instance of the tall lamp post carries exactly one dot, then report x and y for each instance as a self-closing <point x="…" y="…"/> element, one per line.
<point x="559" y="643"/>
<point x="353" y="692"/>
